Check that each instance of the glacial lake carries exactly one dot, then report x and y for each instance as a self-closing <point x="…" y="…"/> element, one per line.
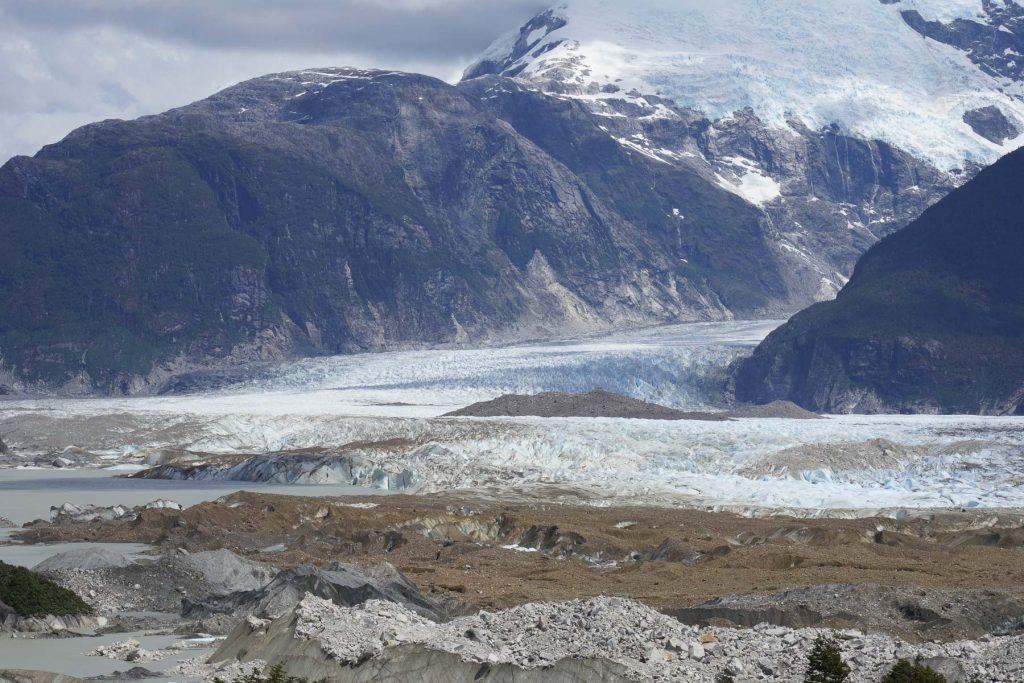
<point x="68" y="655"/>
<point x="27" y="494"/>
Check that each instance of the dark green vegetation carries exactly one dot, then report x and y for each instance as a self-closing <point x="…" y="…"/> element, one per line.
<point x="30" y="595"/>
<point x="905" y="672"/>
<point x="932" y="319"/>
<point x="724" y="677"/>
<point x="825" y="662"/>
<point x="274" y="675"/>
<point x="336" y="211"/>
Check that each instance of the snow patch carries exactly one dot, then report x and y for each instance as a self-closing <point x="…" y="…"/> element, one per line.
<point x="750" y="182"/>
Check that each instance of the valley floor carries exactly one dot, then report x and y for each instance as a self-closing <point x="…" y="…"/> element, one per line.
<point x="387" y="407"/>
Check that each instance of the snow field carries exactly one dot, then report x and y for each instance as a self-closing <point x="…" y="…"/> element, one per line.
<point x="854" y="63"/>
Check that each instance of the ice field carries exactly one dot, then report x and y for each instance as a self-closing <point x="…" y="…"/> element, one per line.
<point x="862" y="463"/>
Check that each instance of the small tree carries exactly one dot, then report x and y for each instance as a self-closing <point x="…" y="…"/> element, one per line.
<point x="905" y="672"/>
<point x="274" y="675"/>
<point x="724" y="677"/>
<point x="825" y="662"/>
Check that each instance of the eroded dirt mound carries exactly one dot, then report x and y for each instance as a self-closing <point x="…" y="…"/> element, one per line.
<point x="598" y="403"/>
<point x="776" y="409"/>
<point x="113" y="583"/>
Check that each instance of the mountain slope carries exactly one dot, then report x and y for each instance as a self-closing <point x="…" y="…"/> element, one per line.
<point x="932" y="319"/>
<point x="838" y="122"/>
<point x="340" y="210"/>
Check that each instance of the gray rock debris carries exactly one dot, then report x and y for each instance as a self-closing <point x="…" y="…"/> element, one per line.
<point x="10" y="622"/>
<point x="85" y="559"/>
<point x="341" y="584"/>
<point x="112" y="583"/>
<point x="127" y="651"/>
<point x="617" y="639"/>
<point x="136" y="673"/>
<point x="909" y="613"/>
<point x="69" y="512"/>
<point x="18" y="676"/>
<point x="226" y="573"/>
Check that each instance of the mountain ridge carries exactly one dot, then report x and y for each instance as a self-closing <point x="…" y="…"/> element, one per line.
<point x="932" y="319"/>
<point x="324" y="211"/>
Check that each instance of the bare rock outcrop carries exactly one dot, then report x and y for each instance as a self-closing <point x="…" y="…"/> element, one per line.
<point x="341" y="584"/>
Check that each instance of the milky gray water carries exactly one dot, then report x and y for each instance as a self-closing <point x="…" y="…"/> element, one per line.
<point x="68" y="655"/>
<point x="27" y="494"/>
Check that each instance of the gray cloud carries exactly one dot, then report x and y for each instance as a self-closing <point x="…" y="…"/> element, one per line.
<point x="64" y="64"/>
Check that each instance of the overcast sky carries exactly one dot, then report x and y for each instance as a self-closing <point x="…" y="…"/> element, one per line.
<point x="64" y="63"/>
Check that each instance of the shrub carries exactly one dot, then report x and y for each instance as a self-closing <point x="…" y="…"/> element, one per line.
<point x="724" y="677"/>
<point x="825" y="662"/>
<point x="905" y="672"/>
<point x="30" y="595"/>
<point x="274" y="675"/>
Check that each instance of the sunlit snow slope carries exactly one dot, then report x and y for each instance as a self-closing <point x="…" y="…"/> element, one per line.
<point x="854" y="63"/>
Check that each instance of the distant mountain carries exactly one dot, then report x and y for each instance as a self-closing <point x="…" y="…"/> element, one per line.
<point x="931" y="321"/>
<point x="340" y="210"/>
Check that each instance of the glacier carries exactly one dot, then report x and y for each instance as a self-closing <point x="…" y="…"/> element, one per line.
<point x="837" y="465"/>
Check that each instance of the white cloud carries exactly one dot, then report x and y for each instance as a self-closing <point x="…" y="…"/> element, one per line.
<point x="63" y="65"/>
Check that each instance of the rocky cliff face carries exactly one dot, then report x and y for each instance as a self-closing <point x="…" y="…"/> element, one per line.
<point x="931" y="321"/>
<point x="813" y="200"/>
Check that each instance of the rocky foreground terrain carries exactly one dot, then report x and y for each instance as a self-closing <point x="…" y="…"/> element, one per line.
<point x="498" y="555"/>
<point x="600" y="639"/>
<point x="452" y="586"/>
<point x="691" y="594"/>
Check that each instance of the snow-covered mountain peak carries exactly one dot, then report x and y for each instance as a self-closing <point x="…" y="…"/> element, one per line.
<point x="857" y="64"/>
